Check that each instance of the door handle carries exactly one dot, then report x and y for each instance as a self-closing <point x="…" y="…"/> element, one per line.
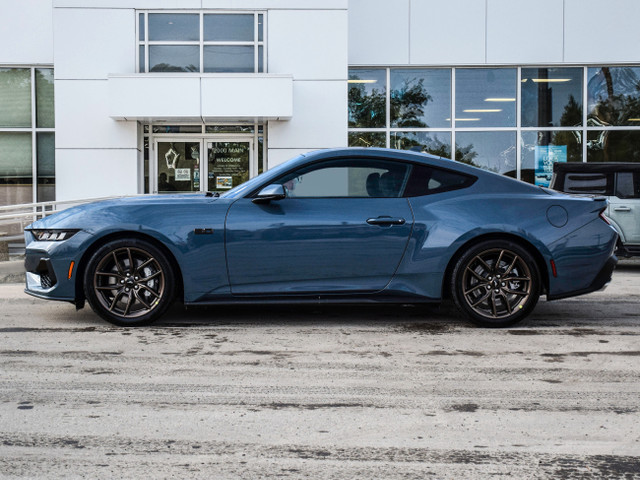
<point x="622" y="209"/>
<point x="386" y="221"/>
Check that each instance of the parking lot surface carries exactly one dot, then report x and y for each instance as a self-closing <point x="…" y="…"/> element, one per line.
<point x="323" y="392"/>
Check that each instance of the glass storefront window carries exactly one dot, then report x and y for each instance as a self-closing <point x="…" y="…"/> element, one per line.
<point x="435" y="143"/>
<point x="27" y="138"/>
<point x="541" y="149"/>
<point x="46" y="166"/>
<point x="613" y="96"/>
<point x="228" y="28"/>
<point x="367" y="98"/>
<point x="200" y="42"/>
<point x="174" y="27"/>
<point x="486" y="97"/>
<point x="420" y="98"/>
<point x="551" y="97"/>
<point x="494" y="151"/>
<point x="174" y="58"/>
<point x="613" y="146"/>
<point x="15" y="97"/>
<point x="367" y="139"/>
<point x="16" y="177"/>
<point x="228" y="58"/>
<point x="45" y="115"/>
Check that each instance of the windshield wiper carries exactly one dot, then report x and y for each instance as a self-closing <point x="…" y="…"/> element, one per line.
<point x="212" y="194"/>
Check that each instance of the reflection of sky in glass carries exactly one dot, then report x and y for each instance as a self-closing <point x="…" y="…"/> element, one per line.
<point x="174" y="58"/>
<point x="493" y="151"/>
<point x="538" y="96"/>
<point x="436" y="143"/>
<point x="433" y="83"/>
<point x="367" y="85"/>
<point x="174" y="27"/>
<point x="474" y="86"/>
<point x="225" y="58"/>
<point x="228" y="28"/>
<point x="612" y="96"/>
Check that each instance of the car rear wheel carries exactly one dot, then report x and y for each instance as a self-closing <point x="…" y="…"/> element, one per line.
<point x="129" y="282"/>
<point x="496" y="283"/>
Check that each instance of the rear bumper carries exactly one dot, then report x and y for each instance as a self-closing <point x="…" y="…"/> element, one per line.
<point x="600" y="282"/>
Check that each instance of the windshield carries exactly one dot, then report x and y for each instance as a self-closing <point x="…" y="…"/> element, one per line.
<point x="250" y="185"/>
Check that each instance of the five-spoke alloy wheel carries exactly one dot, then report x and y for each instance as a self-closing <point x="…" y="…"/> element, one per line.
<point x="129" y="282"/>
<point x="496" y="283"/>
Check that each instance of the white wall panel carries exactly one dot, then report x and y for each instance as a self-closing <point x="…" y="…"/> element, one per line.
<point x="281" y="155"/>
<point x="522" y="31"/>
<point x="228" y="4"/>
<point x="599" y="31"/>
<point x="246" y="96"/>
<point x="95" y="173"/>
<point x="312" y="45"/>
<point x="319" y="117"/>
<point x="154" y="96"/>
<point x="379" y="32"/>
<point x="91" y="43"/>
<point x="26" y="34"/>
<point x="82" y="117"/>
<point x="448" y="32"/>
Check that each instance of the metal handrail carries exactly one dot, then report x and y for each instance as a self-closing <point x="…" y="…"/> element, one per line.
<point x="17" y="217"/>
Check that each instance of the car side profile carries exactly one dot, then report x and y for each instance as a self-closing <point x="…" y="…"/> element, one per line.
<point x="348" y="225"/>
<point x="620" y="183"/>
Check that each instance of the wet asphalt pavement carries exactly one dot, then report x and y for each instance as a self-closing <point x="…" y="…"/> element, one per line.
<point x="323" y="392"/>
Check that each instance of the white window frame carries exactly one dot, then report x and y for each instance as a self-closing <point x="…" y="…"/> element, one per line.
<point x="256" y="43"/>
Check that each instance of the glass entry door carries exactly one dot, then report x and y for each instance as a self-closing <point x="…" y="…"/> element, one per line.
<point x="178" y="166"/>
<point x="228" y="164"/>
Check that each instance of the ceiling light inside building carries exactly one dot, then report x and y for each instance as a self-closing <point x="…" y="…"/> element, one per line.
<point x="551" y="80"/>
<point x="357" y="80"/>
<point x="497" y="99"/>
<point x="482" y="110"/>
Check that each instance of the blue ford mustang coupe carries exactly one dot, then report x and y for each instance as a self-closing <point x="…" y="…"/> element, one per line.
<point x="348" y="225"/>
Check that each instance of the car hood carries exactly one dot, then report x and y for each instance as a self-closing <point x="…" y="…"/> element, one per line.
<point x="123" y="211"/>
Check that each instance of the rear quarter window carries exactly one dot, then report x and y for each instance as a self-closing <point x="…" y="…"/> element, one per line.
<point x="428" y="181"/>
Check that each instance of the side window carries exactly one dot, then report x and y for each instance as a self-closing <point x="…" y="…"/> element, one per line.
<point x="359" y="178"/>
<point x="599" y="183"/>
<point x="427" y="181"/>
<point x="624" y="185"/>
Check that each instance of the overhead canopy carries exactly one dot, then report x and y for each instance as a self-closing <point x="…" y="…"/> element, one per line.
<point x="200" y="97"/>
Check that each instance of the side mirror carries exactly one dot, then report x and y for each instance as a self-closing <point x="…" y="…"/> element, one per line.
<point x="270" y="193"/>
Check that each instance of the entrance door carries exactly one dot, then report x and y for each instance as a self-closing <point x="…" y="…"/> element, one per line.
<point x="178" y="166"/>
<point x="228" y="163"/>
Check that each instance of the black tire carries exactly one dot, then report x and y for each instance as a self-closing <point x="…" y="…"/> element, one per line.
<point x="129" y="282"/>
<point x="495" y="283"/>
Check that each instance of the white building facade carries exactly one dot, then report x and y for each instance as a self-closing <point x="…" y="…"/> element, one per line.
<point x="117" y="97"/>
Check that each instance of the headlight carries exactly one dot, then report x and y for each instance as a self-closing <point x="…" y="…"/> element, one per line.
<point x="53" y="235"/>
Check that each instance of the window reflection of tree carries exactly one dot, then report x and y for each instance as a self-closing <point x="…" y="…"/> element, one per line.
<point x="616" y="100"/>
<point x="408" y="104"/>
<point x="165" y="67"/>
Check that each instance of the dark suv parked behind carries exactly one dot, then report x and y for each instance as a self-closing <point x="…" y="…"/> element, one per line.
<point x="620" y="183"/>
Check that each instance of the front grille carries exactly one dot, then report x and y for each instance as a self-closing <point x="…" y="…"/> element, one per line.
<point x="46" y="281"/>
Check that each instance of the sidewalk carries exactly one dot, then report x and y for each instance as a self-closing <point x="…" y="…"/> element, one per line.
<point x="12" y="271"/>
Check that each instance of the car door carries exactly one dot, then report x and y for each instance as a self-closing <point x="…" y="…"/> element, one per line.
<point x="624" y="206"/>
<point x="343" y="228"/>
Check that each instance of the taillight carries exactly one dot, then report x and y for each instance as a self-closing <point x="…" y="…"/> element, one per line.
<point x="603" y="217"/>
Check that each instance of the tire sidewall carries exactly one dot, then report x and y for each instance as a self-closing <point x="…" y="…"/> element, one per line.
<point x="169" y="288"/>
<point x="457" y="286"/>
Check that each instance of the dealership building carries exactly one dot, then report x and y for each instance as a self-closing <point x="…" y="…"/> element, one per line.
<point x="125" y="97"/>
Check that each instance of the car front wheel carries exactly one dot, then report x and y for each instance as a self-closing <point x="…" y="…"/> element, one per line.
<point x="496" y="283"/>
<point x="129" y="282"/>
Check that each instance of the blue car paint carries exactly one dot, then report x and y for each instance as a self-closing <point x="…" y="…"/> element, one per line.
<point x="411" y="260"/>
